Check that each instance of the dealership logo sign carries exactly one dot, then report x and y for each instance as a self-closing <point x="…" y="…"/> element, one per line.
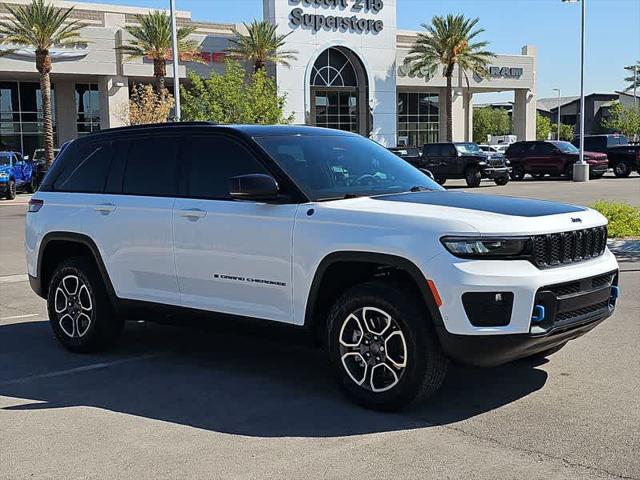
<point x="59" y="54"/>
<point x="505" y="72"/>
<point x="316" y="22"/>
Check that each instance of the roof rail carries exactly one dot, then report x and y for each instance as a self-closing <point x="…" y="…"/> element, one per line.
<point x="154" y="125"/>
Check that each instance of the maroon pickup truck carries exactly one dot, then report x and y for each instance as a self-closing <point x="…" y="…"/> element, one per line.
<point x="553" y="158"/>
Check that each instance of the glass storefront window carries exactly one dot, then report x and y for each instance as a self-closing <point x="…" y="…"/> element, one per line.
<point x="418" y="118"/>
<point x="21" y="116"/>
<point x="87" y="108"/>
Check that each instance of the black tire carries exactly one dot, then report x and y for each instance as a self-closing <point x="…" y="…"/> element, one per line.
<point x="568" y="170"/>
<point x="473" y="177"/>
<point x="78" y="329"/>
<point x="424" y="364"/>
<point x="548" y="352"/>
<point x="32" y="185"/>
<point x="502" y="180"/>
<point x="621" y="169"/>
<point x="441" y="180"/>
<point x="595" y="176"/>
<point x="11" y="190"/>
<point x="517" y="173"/>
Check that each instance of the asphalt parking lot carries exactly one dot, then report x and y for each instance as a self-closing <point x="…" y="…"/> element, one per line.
<point x="175" y="402"/>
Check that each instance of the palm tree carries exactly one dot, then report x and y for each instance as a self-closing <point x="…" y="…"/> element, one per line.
<point x="152" y="38"/>
<point x="41" y="26"/>
<point x="261" y="45"/>
<point x="447" y="42"/>
<point x="634" y="79"/>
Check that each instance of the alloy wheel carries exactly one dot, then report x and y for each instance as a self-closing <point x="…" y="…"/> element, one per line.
<point x="74" y="306"/>
<point x="373" y="349"/>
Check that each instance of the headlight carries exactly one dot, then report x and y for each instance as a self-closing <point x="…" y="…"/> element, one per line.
<point x="465" y="247"/>
<point x="4" y="176"/>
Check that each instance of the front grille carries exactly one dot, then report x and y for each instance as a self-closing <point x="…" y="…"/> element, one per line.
<point x="561" y="317"/>
<point x="568" y="247"/>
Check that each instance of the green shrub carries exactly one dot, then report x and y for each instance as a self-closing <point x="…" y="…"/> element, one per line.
<point x="624" y="219"/>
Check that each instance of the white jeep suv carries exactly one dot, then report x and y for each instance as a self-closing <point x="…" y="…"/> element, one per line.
<point x="315" y="228"/>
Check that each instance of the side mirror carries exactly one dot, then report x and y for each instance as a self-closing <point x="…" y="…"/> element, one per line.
<point x="255" y="186"/>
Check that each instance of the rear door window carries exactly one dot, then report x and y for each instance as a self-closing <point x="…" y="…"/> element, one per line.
<point x="89" y="172"/>
<point x="151" y="166"/>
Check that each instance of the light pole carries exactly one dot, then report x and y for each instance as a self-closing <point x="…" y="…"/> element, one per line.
<point x="558" y="90"/>
<point x="174" y="41"/>
<point x="581" y="168"/>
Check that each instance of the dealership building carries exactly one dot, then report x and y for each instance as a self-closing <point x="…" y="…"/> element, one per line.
<point x="348" y="74"/>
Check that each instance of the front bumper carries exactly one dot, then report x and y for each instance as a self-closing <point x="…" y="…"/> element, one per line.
<point x="496" y="172"/>
<point x="599" y="167"/>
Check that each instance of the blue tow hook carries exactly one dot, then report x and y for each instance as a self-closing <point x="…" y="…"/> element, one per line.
<point x="615" y="292"/>
<point x="538" y="314"/>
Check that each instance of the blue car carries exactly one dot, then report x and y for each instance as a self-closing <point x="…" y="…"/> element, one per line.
<point x="15" y="173"/>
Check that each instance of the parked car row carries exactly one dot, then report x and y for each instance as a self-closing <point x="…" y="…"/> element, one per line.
<point x="18" y="173"/>
<point x="474" y="162"/>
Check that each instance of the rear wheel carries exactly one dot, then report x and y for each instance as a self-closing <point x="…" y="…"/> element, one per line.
<point x="382" y="347"/>
<point x="595" y="176"/>
<point x="621" y="169"/>
<point x="79" y="309"/>
<point x="11" y="190"/>
<point x="473" y="177"/>
<point x="32" y="185"/>
<point x="517" y="173"/>
<point x="441" y="180"/>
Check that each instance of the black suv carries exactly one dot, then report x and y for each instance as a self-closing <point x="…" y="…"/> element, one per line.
<point x="464" y="160"/>
<point x="623" y="157"/>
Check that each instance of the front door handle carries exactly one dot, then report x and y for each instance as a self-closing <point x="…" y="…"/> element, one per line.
<point x="193" y="214"/>
<point x="105" y="208"/>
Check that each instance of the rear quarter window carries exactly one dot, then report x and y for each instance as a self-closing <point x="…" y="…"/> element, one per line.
<point x="84" y="168"/>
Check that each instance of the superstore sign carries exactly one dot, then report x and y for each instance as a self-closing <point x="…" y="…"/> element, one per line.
<point x="353" y="23"/>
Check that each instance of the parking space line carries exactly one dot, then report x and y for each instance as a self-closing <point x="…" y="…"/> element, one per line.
<point x="14" y="278"/>
<point x="84" y="368"/>
<point x="15" y="317"/>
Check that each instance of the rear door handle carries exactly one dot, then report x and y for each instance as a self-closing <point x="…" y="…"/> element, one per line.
<point x="105" y="208"/>
<point x="193" y="214"/>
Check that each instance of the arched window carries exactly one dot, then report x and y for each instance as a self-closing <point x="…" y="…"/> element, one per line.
<point x="333" y="69"/>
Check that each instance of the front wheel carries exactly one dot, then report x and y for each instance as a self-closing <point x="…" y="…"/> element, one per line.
<point x="441" y="180"/>
<point x="568" y="170"/>
<point x="382" y="347"/>
<point x="473" y="177"/>
<point x="502" y="180"/>
<point x="621" y="169"/>
<point x="79" y="310"/>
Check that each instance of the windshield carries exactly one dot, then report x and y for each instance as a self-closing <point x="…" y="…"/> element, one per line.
<point x="5" y="159"/>
<point x="468" y="148"/>
<point x="566" y="147"/>
<point x="332" y="167"/>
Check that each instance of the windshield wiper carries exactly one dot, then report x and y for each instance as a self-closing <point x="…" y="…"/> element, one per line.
<point x="420" y="188"/>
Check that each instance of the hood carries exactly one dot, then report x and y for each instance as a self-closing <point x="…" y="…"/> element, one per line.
<point x="593" y="156"/>
<point x="486" y="214"/>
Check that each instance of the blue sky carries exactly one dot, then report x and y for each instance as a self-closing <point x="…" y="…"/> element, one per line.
<point x="613" y="33"/>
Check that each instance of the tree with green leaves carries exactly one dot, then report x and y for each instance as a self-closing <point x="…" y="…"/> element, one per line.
<point x="41" y="26"/>
<point x="543" y="127"/>
<point x="446" y="43"/>
<point x="567" y="132"/>
<point x="261" y="45"/>
<point x="634" y="78"/>
<point x="490" y="121"/>
<point x="624" y="120"/>
<point x="232" y="98"/>
<point x="152" y="39"/>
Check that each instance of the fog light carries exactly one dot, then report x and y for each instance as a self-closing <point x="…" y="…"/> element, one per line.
<point x="488" y="309"/>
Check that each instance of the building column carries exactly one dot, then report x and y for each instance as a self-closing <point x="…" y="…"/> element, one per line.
<point x="114" y="101"/>
<point x="459" y="115"/>
<point x="66" y="115"/>
<point x="468" y="116"/>
<point x="525" y="104"/>
<point x="524" y="115"/>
